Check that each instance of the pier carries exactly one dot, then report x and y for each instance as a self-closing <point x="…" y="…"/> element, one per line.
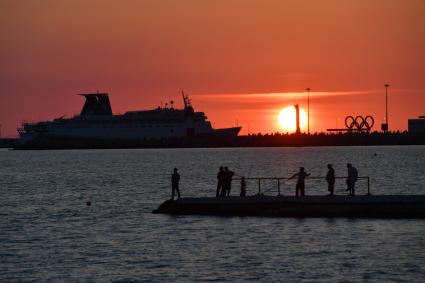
<point x="280" y="205"/>
<point x="366" y="206"/>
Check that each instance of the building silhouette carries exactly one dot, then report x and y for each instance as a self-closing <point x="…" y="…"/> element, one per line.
<point x="416" y="126"/>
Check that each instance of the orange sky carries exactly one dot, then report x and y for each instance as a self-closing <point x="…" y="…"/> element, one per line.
<point x="240" y="60"/>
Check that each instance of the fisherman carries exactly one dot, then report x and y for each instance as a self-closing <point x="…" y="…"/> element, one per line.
<point x="243" y="187"/>
<point x="351" y="179"/>
<point x="300" y="187"/>
<point x="175" y="179"/>
<point x="227" y="185"/>
<point x="330" y="178"/>
<point x="220" y="181"/>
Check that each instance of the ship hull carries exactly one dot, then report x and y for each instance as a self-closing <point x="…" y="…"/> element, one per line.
<point x="69" y="143"/>
<point x="216" y="138"/>
<point x="227" y="132"/>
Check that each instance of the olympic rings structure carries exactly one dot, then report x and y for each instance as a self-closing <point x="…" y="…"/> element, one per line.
<point x="359" y="123"/>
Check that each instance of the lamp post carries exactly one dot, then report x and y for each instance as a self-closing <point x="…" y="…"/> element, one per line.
<point x="384" y="126"/>
<point x="386" y="104"/>
<point x="308" y="110"/>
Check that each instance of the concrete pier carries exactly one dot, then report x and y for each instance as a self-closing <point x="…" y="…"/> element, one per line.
<point x="368" y="206"/>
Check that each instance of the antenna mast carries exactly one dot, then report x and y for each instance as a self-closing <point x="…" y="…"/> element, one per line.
<point x="184" y="100"/>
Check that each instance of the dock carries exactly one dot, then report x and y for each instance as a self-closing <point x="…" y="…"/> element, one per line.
<point x="361" y="206"/>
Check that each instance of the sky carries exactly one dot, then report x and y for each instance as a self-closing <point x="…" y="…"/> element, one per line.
<point x="240" y="61"/>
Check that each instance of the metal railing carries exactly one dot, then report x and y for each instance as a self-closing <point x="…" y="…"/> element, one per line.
<point x="279" y="179"/>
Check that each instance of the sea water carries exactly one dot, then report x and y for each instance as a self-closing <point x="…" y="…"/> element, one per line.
<point x="48" y="233"/>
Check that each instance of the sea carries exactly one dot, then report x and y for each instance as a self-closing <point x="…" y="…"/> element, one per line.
<point x="48" y="233"/>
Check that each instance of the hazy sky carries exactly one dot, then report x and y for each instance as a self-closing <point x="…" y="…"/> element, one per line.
<point x="239" y="60"/>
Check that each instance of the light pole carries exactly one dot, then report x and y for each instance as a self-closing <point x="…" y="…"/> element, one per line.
<point x="308" y="110"/>
<point x="386" y="104"/>
<point x="385" y="125"/>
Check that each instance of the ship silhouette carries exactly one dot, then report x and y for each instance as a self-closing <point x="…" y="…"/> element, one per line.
<point x="96" y="122"/>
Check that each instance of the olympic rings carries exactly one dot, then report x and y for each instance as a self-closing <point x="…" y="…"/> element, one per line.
<point x="359" y="123"/>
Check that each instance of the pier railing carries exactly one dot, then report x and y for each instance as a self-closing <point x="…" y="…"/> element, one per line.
<point x="280" y="179"/>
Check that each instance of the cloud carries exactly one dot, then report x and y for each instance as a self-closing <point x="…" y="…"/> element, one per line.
<point x="291" y="95"/>
<point x="280" y="95"/>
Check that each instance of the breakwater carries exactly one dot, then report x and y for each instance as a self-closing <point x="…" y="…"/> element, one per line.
<point x="368" y="206"/>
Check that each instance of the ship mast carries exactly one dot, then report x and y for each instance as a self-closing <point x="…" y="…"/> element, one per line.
<point x="184" y="100"/>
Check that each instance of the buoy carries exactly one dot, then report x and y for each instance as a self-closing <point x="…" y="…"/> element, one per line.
<point x="88" y="203"/>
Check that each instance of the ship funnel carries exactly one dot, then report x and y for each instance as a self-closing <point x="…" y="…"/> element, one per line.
<point x="96" y="104"/>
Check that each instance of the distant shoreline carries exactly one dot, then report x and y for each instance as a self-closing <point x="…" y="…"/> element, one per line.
<point x="259" y="140"/>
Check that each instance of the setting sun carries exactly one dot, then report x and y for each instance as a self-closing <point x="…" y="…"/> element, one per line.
<point x="287" y="119"/>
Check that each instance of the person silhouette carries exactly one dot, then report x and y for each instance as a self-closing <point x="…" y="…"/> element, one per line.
<point x="227" y="184"/>
<point x="220" y="181"/>
<point x="330" y="178"/>
<point x="351" y="179"/>
<point x="300" y="186"/>
<point x="175" y="179"/>
<point x="243" y="187"/>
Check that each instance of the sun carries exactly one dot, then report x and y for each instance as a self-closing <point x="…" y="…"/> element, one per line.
<point x="287" y="119"/>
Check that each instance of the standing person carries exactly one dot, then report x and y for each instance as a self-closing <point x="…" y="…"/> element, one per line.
<point x="243" y="187"/>
<point x="227" y="182"/>
<point x="352" y="178"/>
<point x="220" y="181"/>
<point x="330" y="178"/>
<point x="175" y="179"/>
<point x="300" y="187"/>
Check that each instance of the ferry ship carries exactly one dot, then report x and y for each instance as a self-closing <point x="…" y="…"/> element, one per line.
<point x="97" y="122"/>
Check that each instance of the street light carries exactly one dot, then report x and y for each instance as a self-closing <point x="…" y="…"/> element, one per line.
<point x="384" y="126"/>
<point x="308" y="110"/>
